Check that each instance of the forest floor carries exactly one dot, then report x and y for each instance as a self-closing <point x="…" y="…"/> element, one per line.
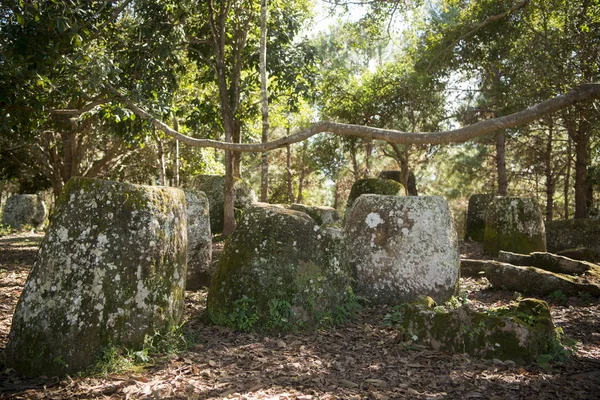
<point x="364" y="359"/>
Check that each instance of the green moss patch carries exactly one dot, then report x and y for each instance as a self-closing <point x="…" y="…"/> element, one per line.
<point x="520" y="333"/>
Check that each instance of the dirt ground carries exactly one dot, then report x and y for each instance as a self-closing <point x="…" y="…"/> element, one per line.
<point x="364" y="359"/>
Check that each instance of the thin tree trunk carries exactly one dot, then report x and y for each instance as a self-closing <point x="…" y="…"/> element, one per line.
<point x="368" y="155"/>
<point x="161" y="161"/>
<point x="581" y="154"/>
<point x="290" y="188"/>
<point x="567" y="186"/>
<point x="264" y="176"/>
<point x="501" y="164"/>
<point x="176" y="163"/>
<point x="550" y="187"/>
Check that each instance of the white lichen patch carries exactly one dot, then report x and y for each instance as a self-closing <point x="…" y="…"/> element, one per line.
<point x="373" y="220"/>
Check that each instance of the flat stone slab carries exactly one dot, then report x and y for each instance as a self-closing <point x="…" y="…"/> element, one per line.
<point x="550" y="262"/>
<point x="527" y="279"/>
<point x="399" y="248"/>
<point x="110" y="270"/>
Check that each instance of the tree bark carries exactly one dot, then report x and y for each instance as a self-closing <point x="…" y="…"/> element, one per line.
<point x="264" y="176"/>
<point x="161" y="162"/>
<point x="550" y="187"/>
<point x="176" y="161"/>
<point x="290" y="188"/>
<point x="501" y="164"/>
<point x="567" y="186"/>
<point x="581" y="153"/>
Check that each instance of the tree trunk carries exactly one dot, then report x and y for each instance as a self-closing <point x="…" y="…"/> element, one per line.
<point x="567" y="186"/>
<point x="368" y="155"/>
<point x="579" y="135"/>
<point x="264" y="177"/>
<point x="176" y="161"/>
<point x="501" y="164"/>
<point x="161" y="161"/>
<point x="549" y="178"/>
<point x="290" y="188"/>
<point x="581" y="174"/>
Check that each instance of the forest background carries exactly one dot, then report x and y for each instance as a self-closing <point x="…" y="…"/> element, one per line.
<point x="86" y="85"/>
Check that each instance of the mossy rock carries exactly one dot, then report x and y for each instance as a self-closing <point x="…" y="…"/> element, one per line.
<point x="520" y="332"/>
<point x="572" y="234"/>
<point x="199" y="266"/>
<point x="399" y="248"/>
<point x="279" y="271"/>
<point x="213" y="186"/>
<point x="513" y="224"/>
<point x="321" y="214"/>
<point x="373" y="186"/>
<point x="110" y="270"/>
<point x="24" y="209"/>
<point x="478" y="204"/>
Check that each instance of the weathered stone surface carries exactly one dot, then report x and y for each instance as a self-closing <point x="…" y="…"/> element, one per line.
<point x="581" y="254"/>
<point x="321" y="214"/>
<point x="279" y="270"/>
<point x="513" y="224"/>
<point x="519" y="333"/>
<point x="549" y="262"/>
<point x="199" y="266"/>
<point x="527" y="279"/>
<point x="573" y="233"/>
<point x="399" y="248"/>
<point x="411" y="183"/>
<point x="213" y="186"/>
<point x="373" y="186"/>
<point x="110" y="270"/>
<point x="478" y="204"/>
<point x="24" y="209"/>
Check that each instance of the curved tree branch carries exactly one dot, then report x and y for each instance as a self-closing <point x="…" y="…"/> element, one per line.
<point x="585" y="92"/>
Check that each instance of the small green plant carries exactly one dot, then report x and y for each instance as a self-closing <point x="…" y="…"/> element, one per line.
<point x="561" y="349"/>
<point x="110" y="359"/>
<point x="395" y="318"/>
<point x="558" y="295"/>
<point x="585" y="296"/>
<point x="244" y="315"/>
<point x="5" y="230"/>
<point x="280" y="312"/>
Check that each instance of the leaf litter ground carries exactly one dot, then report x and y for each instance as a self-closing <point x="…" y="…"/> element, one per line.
<point x="364" y="359"/>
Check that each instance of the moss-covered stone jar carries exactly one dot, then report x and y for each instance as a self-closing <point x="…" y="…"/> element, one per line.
<point x="513" y="224"/>
<point x="279" y="271"/>
<point x="110" y="270"/>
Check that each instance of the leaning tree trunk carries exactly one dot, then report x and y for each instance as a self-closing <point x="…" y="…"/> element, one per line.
<point x="501" y="164"/>
<point x="567" y="187"/>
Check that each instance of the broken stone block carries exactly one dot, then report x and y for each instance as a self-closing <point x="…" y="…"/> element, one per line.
<point x="199" y="266"/>
<point x="399" y="248"/>
<point x="373" y="186"/>
<point x="574" y="233"/>
<point x="213" y="187"/>
<point x="530" y="280"/>
<point x="321" y="214"/>
<point x="24" y="209"/>
<point x="549" y="262"/>
<point x="520" y="332"/>
<point x="513" y="224"/>
<point x="478" y="204"/>
<point x="110" y="270"/>
<point x="279" y="271"/>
